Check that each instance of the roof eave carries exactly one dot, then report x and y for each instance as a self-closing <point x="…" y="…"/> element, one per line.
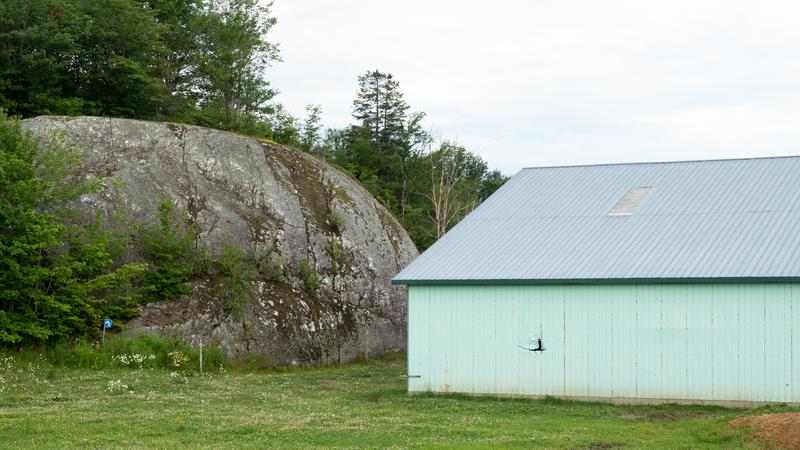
<point x="715" y="280"/>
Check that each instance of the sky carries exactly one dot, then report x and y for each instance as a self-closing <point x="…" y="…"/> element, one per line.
<point x="542" y="83"/>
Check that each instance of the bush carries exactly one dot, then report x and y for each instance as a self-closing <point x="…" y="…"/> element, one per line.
<point x="173" y="254"/>
<point x="336" y="252"/>
<point x="58" y="271"/>
<point x="268" y="263"/>
<point x="236" y="273"/>
<point x="337" y="220"/>
<point x="309" y="277"/>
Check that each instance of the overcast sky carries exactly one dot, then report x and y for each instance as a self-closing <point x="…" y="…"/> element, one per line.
<point x="537" y="83"/>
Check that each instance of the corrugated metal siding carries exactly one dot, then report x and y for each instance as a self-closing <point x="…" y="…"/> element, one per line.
<point x="704" y="220"/>
<point x="720" y="342"/>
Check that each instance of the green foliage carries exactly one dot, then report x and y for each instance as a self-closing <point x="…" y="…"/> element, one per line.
<point x="268" y="263"/>
<point x="78" y="57"/>
<point x="177" y="20"/>
<point x="337" y="220"/>
<point x="142" y="351"/>
<point x="389" y="152"/>
<point x="310" y="134"/>
<point x="58" y="275"/>
<point x="310" y="278"/>
<point x="354" y="406"/>
<point x="336" y="252"/>
<point x="173" y="252"/>
<point x="284" y="127"/>
<point x="195" y="61"/>
<point x="381" y="109"/>
<point x="176" y="258"/>
<point x="235" y="274"/>
<point x="490" y="182"/>
<point x="111" y="69"/>
<point x="229" y="68"/>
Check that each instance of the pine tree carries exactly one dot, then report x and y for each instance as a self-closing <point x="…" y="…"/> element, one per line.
<point x="310" y="134"/>
<point x="380" y="107"/>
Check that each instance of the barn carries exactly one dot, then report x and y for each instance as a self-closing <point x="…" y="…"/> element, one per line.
<point x="665" y="282"/>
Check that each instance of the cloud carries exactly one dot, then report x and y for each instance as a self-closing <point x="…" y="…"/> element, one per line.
<point x="560" y="82"/>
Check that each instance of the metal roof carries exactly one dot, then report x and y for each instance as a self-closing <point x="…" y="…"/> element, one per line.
<point x="702" y="220"/>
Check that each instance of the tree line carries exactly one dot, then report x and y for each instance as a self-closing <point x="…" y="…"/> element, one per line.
<point x="192" y="61"/>
<point x="428" y="184"/>
<point x="204" y="62"/>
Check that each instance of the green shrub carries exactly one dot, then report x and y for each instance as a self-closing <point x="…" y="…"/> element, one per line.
<point x="309" y="277"/>
<point x="235" y="273"/>
<point x="268" y="263"/>
<point x="336" y="252"/>
<point x="337" y="220"/>
<point x="80" y="355"/>
<point x="59" y="269"/>
<point x="174" y="256"/>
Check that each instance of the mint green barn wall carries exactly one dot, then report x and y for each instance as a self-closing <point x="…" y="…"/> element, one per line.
<point x="703" y="342"/>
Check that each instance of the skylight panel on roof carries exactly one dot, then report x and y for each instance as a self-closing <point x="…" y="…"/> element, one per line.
<point x="631" y="201"/>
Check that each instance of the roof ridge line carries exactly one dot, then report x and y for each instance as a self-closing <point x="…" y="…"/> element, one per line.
<point x="644" y="163"/>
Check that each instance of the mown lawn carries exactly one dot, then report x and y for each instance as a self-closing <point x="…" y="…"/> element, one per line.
<point x="352" y="406"/>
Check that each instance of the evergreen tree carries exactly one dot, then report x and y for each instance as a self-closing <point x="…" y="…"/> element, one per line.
<point x="380" y="107"/>
<point x="310" y="134"/>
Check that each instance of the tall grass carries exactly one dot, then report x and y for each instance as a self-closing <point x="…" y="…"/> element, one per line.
<point x="143" y="351"/>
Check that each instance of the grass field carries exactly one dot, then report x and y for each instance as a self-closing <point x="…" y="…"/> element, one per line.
<point x="351" y="406"/>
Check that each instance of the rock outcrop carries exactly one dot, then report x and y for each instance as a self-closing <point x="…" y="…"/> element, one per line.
<point x="266" y="198"/>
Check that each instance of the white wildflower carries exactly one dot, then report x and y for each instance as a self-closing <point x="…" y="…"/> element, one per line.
<point x="178" y="377"/>
<point x="117" y="387"/>
<point x="6" y="362"/>
<point x="133" y="359"/>
<point x="178" y="358"/>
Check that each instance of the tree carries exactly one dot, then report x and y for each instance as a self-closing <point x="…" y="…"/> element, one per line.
<point x="380" y="107"/>
<point x="195" y="61"/>
<point x="490" y="182"/>
<point x="414" y="140"/>
<point x="284" y="128"/>
<point x="170" y="247"/>
<point x="58" y="275"/>
<point x="455" y="177"/>
<point x="113" y="69"/>
<point x="176" y="66"/>
<point x="235" y="55"/>
<point x="310" y="134"/>
<point x="78" y="57"/>
<point x="37" y="38"/>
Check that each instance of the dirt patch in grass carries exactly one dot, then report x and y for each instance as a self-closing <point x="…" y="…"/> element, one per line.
<point x="782" y="430"/>
<point x="371" y="398"/>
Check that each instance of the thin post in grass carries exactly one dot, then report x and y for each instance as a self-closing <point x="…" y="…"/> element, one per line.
<point x="201" y="356"/>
